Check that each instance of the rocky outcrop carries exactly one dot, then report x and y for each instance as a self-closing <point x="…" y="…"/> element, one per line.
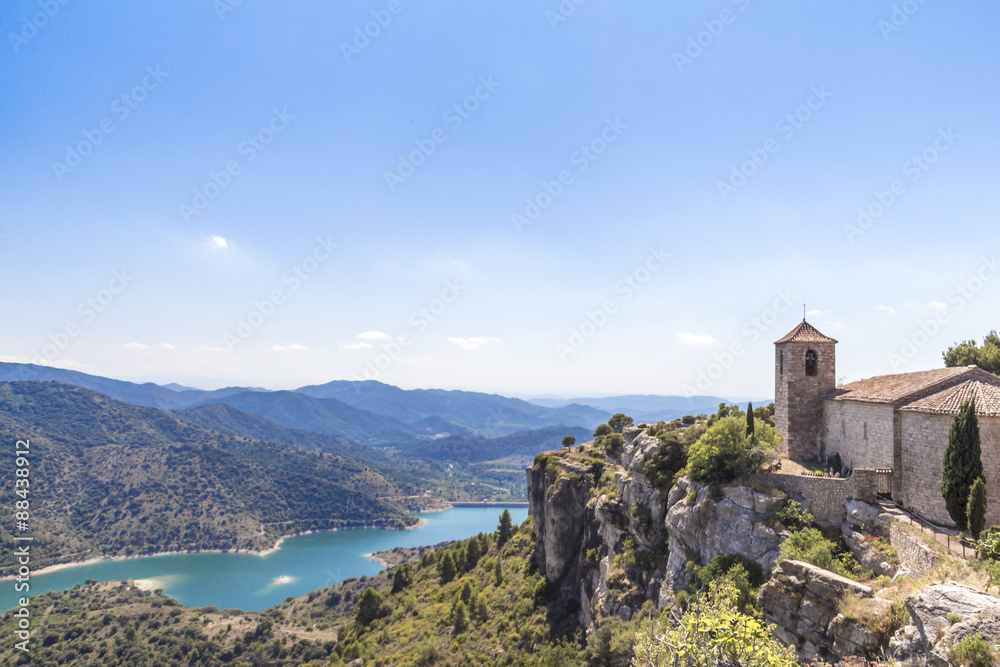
<point x="927" y="640"/>
<point x="803" y="602"/>
<point x="558" y="492"/>
<point x="735" y="523"/>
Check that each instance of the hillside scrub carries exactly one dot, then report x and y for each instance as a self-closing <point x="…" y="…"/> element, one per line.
<point x="725" y="452"/>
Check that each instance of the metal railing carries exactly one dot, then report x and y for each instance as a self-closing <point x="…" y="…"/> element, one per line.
<point x="967" y="545"/>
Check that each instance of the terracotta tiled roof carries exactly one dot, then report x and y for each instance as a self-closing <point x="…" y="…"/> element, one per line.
<point x="805" y="333"/>
<point x="908" y="387"/>
<point x="948" y="401"/>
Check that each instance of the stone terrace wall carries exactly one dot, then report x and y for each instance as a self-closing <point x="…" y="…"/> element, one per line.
<point x="824" y="496"/>
<point x="917" y="558"/>
<point x="861" y="433"/>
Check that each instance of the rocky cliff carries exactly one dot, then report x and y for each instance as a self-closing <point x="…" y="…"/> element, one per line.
<point x="612" y="540"/>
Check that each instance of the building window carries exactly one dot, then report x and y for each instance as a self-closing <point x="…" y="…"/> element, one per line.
<point x="810" y="363"/>
<point x="866" y="430"/>
<point x="781" y="362"/>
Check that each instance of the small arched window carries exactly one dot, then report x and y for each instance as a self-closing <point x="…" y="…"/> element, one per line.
<point x="781" y="362"/>
<point x="810" y="363"/>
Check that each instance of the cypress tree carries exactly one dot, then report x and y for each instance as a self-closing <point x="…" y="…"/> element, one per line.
<point x="963" y="464"/>
<point x="976" y="509"/>
<point x="750" y="428"/>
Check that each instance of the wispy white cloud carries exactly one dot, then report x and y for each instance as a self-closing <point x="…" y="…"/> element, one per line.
<point x="374" y="335"/>
<point x="219" y="242"/>
<point x="135" y="346"/>
<point x="289" y="348"/>
<point x="167" y="346"/>
<point x="474" y="342"/>
<point x="698" y="340"/>
<point x="886" y="309"/>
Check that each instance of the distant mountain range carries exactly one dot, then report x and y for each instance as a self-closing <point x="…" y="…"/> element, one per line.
<point x="649" y="407"/>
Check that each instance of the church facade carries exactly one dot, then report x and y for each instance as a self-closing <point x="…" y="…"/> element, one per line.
<point x="891" y="422"/>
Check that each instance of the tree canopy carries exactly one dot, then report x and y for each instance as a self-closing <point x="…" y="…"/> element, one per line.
<point x="725" y="452"/>
<point x="967" y="353"/>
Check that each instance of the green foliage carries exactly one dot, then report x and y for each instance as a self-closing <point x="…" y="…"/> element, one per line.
<point x="750" y="424"/>
<point x="446" y="567"/>
<point x="669" y="458"/>
<point x="794" y="517"/>
<point x="988" y="545"/>
<point x="613" y="443"/>
<point x="725" y="453"/>
<point x="972" y="651"/>
<point x="967" y="353"/>
<point x="619" y="422"/>
<point x="725" y="411"/>
<point x="745" y="575"/>
<point x="976" y="509"/>
<point x="809" y="546"/>
<point x="687" y="420"/>
<point x="504" y="529"/>
<point x="603" y="430"/>
<point x="371" y="607"/>
<point x="712" y="632"/>
<point x="764" y="414"/>
<point x="402" y="577"/>
<point x="963" y="463"/>
<point x="953" y="618"/>
<point x="569" y="441"/>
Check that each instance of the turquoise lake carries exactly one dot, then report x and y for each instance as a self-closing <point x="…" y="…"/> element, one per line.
<point x="244" y="581"/>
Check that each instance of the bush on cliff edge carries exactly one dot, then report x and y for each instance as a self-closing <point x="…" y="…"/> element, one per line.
<point x="725" y="452"/>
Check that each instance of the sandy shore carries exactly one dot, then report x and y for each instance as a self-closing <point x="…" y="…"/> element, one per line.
<point x="265" y="552"/>
<point x="145" y="584"/>
<point x="378" y="560"/>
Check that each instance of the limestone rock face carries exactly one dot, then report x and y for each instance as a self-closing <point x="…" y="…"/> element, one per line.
<point x="734" y="524"/>
<point x="802" y="601"/>
<point x="928" y="639"/>
<point x="557" y="504"/>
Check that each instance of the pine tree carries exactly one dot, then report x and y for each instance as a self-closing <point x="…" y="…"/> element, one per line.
<point x="976" y="509"/>
<point x="446" y="567"/>
<point x="963" y="463"/>
<point x="504" y="530"/>
<point x="750" y="428"/>
<point x="472" y="554"/>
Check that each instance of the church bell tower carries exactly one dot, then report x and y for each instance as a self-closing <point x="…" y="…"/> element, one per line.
<point x="805" y="370"/>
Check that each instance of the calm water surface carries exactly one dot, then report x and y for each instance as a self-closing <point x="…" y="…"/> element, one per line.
<point x="249" y="582"/>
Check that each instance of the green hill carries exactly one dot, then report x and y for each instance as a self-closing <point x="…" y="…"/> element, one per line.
<point x="112" y="478"/>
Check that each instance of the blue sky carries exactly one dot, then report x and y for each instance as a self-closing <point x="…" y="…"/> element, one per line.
<point x="523" y="198"/>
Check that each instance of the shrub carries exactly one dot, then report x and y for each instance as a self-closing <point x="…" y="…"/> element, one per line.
<point x="954" y="618"/>
<point x="794" y="517"/>
<point x="669" y="457"/>
<point x="988" y="545"/>
<point x="602" y="430"/>
<point x="725" y="452"/>
<point x="972" y="651"/>
<point x="809" y="546"/>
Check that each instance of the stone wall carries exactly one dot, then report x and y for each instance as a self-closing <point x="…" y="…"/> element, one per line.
<point x="824" y="496"/>
<point x="861" y="433"/>
<point x="925" y="437"/>
<point x="914" y="556"/>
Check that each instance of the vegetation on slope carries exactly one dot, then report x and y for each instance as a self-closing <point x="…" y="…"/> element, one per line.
<point x="111" y="478"/>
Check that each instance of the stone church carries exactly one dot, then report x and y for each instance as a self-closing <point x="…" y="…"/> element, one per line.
<point x="890" y="422"/>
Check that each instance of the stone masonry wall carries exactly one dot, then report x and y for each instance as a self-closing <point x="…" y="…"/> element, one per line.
<point x="824" y="496"/>
<point x="913" y="555"/>
<point x="860" y="432"/>
<point x="925" y="437"/>
<point x="799" y="398"/>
